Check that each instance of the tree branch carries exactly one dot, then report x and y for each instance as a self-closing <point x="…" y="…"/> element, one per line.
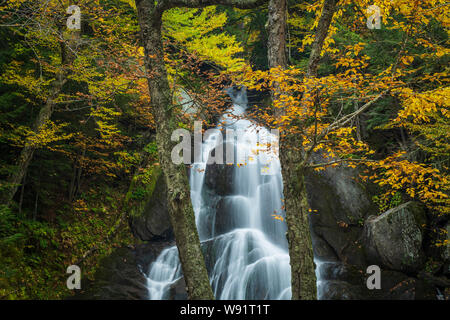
<point x="346" y="119"/>
<point x="329" y="8"/>
<point x="325" y="164"/>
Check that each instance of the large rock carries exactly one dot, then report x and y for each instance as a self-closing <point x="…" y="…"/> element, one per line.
<point x="153" y="222"/>
<point x="344" y="282"/>
<point x="394" y="238"/>
<point x="340" y="206"/>
<point x="338" y="290"/>
<point x="218" y="178"/>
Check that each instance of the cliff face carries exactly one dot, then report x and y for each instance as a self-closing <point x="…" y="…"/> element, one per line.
<point x="348" y="236"/>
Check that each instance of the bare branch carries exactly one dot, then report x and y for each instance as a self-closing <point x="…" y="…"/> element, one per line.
<point x="346" y="119"/>
<point x="325" y="164"/>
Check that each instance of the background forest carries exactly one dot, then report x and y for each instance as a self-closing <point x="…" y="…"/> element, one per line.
<point x="78" y="153"/>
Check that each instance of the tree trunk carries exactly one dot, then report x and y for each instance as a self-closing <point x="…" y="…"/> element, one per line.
<point x="276" y="43"/>
<point x="28" y="150"/>
<point x="291" y="156"/>
<point x="303" y="277"/>
<point x="179" y="203"/>
<point x="328" y="10"/>
<point x="22" y="191"/>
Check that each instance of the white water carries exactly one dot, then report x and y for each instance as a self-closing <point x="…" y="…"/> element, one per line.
<point x="248" y="254"/>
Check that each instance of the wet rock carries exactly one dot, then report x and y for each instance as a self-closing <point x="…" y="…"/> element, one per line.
<point x="178" y="291"/>
<point x="341" y="272"/>
<point x="394" y="238"/>
<point x="399" y="286"/>
<point x="344" y="282"/>
<point x="122" y="274"/>
<point x="223" y="220"/>
<point x="322" y="250"/>
<point x="153" y="222"/>
<point x="219" y="177"/>
<point x="338" y="290"/>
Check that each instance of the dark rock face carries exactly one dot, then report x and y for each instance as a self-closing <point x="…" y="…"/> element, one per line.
<point x="223" y="222"/>
<point x="178" y="291"/>
<point x="348" y="237"/>
<point x="395" y="238"/>
<point x="154" y="222"/>
<point x="341" y="205"/>
<point x="339" y="290"/>
<point x="218" y="178"/>
<point x="346" y="282"/>
<point x="122" y="275"/>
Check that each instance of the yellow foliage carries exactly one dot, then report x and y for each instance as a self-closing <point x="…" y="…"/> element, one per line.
<point x="195" y="30"/>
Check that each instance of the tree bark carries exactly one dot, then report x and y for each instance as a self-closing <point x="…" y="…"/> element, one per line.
<point x="303" y="277"/>
<point x="293" y="164"/>
<point x="179" y="203"/>
<point x="276" y="26"/>
<point x="276" y="44"/>
<point x="328" y="10"/>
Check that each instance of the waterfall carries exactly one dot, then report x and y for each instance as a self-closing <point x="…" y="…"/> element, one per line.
<point x="247" y="248"/>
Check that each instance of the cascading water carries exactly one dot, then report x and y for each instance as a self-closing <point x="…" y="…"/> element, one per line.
<point x="248" y="256"/>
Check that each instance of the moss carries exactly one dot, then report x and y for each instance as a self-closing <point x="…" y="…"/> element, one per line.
<point x="418" y="211"/>
<point x="136" y="206"/>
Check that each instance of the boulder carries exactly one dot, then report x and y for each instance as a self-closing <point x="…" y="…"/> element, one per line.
<point x="344" y="282"/>
<point x="322" y="250"/>
<point x="218" y="178"/>
<point x="340" y="206"/>
<point x="225" y="220"/>
<point x="338" y="290"/>
<point x="394" y="239"/>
